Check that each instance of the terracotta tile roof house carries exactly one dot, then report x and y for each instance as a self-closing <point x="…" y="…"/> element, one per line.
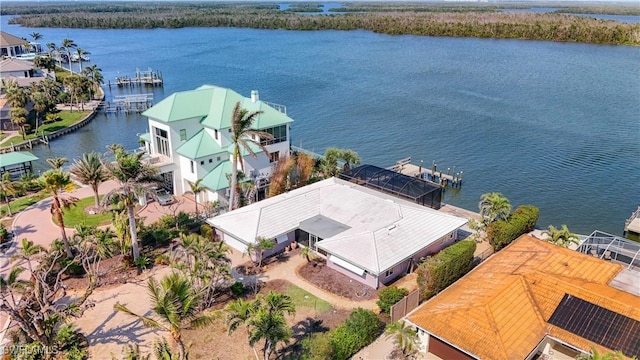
<point x="532" y="300"/>
<point x="367" y="235"/>
<point x="189" y="138"/>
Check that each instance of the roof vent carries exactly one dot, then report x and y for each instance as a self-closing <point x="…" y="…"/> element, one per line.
<point x="254" y="96"/>
<point x="392" y="228"/>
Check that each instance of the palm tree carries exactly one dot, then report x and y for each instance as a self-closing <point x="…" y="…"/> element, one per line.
<point x="55" y="181"/>
<point x="81" y="53"/>
<point x="562" y="237"/>
<point x="35" y="36"/>
<point x="90" y="171"/>
<point x="494" y="206"/>
<point x="57" y="162"/>
<point x="349" y="157"/>
<point x="195" y="189"/>
<point x="131" y="174"/>
<point x="17" y="98"/>
<point x="329" y="164"/>
<point x="67" y="45"/>
<point x="94" y="73"/>
<point x="263" y="319"/>
<point x="268" y="323"/>
<point x="8" y="188"/>
<point x="40" y="105"/>
<point x="604" y="356"/>
<point x="404" y="337"/>
<point x="52" y="47"/>
<point x="242" y="134"/>
<point x="175" y="305"/>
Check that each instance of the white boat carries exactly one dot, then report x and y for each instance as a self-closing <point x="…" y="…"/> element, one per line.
<point x="75" y="57"/>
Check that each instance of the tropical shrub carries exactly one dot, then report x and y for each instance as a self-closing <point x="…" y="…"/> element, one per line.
<point x="237" y="288"/>
<point x="443" y="269"/>
<point x="317" y="347"/>
<point x="389" y="296"/>
<point x="501" y="233"/>
<point x="359" y="330"/>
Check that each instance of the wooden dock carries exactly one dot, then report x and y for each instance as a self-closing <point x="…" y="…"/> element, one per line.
<point x="141" y="78"/>
<point x="447" y="178"/>
<point x="633" y="223"/>
<point x="135" y="103"/>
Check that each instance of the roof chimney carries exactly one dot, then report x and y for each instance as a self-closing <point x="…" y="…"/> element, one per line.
<point x="254" y="96"/>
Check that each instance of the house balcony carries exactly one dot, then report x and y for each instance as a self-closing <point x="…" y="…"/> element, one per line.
<point x="156" y="160"/>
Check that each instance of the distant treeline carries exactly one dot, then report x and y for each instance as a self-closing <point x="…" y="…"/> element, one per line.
<point x="487" y="23"/>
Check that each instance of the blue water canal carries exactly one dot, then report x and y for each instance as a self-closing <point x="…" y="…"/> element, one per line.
<point x="556" y="125"/>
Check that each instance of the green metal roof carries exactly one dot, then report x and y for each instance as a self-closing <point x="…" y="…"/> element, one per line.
<point x="15" y="158"/>
<point x="215" y="105"/>
<point x="146" y="137"/>
<point x="216" y="179"/>
<point x="201" y="144"/>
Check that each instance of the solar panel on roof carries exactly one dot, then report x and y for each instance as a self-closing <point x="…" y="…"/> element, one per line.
<point x="602" y="326"/>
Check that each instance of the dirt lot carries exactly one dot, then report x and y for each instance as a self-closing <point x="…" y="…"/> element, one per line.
<point x="213" y="343"/>
<point x="317" y="273"/>
<point x="113" y="272"/>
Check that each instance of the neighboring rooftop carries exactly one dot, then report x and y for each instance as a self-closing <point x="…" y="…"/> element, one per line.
<point x="16" y="158"/>
<point x="11" y="64"/>
<point x="213" y="106"/>
<point x="7" y="39"/>
<point x="502" y="309"/>
<point x="365" y="227"/>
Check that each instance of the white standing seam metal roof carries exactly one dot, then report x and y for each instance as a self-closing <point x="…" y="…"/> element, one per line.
<point x="383" y="230"/>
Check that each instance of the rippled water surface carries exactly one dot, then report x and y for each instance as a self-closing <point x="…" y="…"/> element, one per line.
<point x="556" y="125"/>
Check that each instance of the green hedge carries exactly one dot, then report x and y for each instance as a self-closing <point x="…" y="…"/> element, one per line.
<point x="501" y="233"/>
<point x="359" y="330"/>
<point x="443" y="269"/>
<point x="389" y="296"/>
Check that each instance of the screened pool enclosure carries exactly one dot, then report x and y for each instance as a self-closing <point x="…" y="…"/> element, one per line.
<point x="423" y="192"/>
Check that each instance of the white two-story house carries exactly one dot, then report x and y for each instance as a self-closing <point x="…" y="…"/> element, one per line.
<point x="189" y="138"/>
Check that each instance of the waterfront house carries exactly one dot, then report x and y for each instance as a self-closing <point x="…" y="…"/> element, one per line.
<point x="370" y="236"/>
<point x="534" y="300"/>
<point x="10" y="45"/>
<point x="189" y="138"/>
<point x="23" y="73"/>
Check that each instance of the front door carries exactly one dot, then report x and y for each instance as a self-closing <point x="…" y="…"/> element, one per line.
<point x="167" y="180"/>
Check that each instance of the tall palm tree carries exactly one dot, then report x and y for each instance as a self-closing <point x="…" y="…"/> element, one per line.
<point x="40" y="105"/>
<point x="55" y="181"/>
<point x="562" y="236"/>
<point x="90" y="171"/>
<point x="242" y="134"/>
<point x="175" y="305"/>
<point x="52" y="47"/>
<point x="8" y="188"/>
<point x="81" y="53"/>
<point x="131" y="174"/>
<point x="36" y="36"/>
<point x="17" y="98"/>
<point x="494" y="206"/>
<point x="195" y="189"/>
<point x="404" y="337"/>
<point x="67" y="45"/>
<point x="94" y="73"/>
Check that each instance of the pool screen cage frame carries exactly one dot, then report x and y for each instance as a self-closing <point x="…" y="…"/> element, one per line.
<point x="420" y="191"/>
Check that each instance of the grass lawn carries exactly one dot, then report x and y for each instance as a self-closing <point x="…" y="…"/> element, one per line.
<point x="21" y="203"/>
<point x="76" y="215"/>
<point x="303" y="298"/>
<point x="68" y="118"/>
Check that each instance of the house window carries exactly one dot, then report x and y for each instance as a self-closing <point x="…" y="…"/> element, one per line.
<point x="388" y="272"/>
<point x="183" y="134"/>
<point x="215" y="132"/>
<point x="274" y="156"/>
<point x="192" y="169"/>
<point x="279" y="135"/>
<point x="210" y="161"/>
<point x="162" y="141"/>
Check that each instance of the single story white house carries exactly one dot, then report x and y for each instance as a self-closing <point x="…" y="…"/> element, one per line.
<point x="365" y="234"/>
